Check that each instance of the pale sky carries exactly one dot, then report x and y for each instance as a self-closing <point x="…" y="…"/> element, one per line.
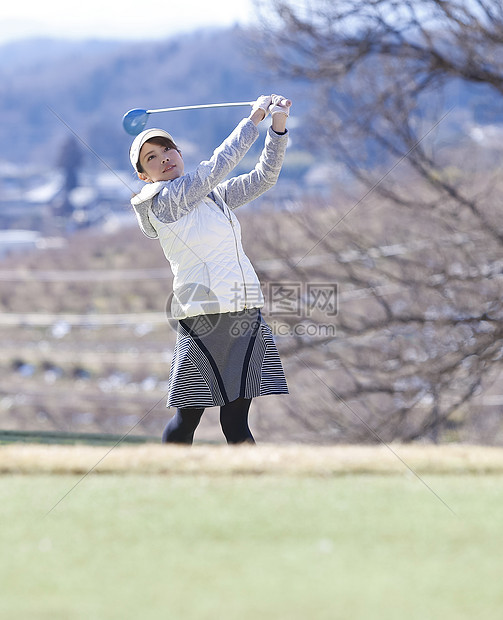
<point x="124" y="19"/>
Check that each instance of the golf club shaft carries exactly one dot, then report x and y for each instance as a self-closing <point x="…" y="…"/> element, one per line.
<point x="286" y="102"/>
<point x="198" y="107"/>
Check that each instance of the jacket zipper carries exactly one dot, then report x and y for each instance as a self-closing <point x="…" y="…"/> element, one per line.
<point x="239" y="262"/>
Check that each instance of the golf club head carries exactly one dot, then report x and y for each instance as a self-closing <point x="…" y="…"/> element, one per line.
<point x="134" y="121"/>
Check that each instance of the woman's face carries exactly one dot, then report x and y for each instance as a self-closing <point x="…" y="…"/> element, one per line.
<point x="160" y="163"/>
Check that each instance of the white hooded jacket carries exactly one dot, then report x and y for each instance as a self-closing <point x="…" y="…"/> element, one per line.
<point x="200" y="235"/>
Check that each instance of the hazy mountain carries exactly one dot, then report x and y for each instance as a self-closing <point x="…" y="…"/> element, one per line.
<point x="52" y="88"/>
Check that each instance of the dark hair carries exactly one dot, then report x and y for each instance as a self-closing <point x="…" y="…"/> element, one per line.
<point x="160" y="141"/>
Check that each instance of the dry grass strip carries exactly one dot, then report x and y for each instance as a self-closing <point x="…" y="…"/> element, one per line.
<point x="303" y="460"/>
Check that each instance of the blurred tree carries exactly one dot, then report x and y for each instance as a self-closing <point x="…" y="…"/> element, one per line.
<point x="419" y="331"/>
<point x="69" y="160"/>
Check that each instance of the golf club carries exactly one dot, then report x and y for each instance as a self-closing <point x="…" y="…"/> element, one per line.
<point x="135" y="120"/>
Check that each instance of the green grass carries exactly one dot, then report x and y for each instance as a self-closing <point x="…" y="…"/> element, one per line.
<point x="70" y="438"/>
<point x="197" y="547"/>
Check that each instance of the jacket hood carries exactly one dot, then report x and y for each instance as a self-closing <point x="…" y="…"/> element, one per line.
<point x="141" y="204"/>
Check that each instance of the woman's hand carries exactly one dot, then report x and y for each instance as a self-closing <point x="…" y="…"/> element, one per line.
<point x="260" y="108"/>
<point x="279" y="109"/>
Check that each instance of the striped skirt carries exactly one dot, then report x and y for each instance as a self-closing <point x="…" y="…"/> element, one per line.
<point x="221" y="357"/>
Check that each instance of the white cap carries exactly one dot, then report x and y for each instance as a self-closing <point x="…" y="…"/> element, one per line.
<point x="141" y="138"/>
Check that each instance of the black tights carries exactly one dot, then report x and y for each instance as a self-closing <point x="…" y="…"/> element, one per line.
<point x="233" y="420"/>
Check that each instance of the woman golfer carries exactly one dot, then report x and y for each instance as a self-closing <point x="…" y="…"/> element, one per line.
<point x="225" y="354"/>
